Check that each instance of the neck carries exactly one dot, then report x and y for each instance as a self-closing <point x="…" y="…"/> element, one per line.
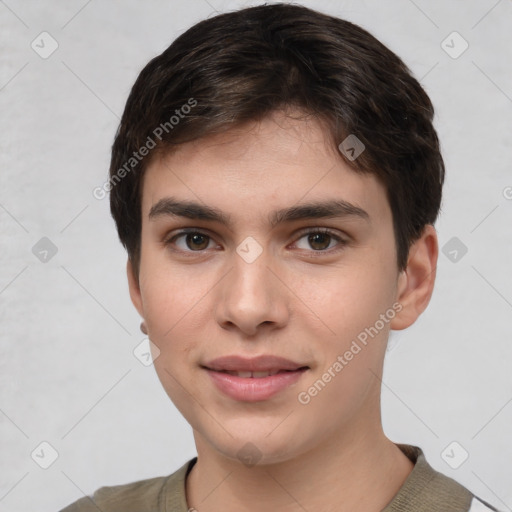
<point x="344" y="473"/>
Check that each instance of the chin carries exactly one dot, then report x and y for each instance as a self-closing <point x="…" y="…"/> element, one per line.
<point x="259" y="448"/>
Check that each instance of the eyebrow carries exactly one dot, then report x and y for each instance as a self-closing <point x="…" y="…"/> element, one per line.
<point x="338" y="208"/>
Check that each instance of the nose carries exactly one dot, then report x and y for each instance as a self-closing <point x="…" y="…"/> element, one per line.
<point x="251" y="297"/>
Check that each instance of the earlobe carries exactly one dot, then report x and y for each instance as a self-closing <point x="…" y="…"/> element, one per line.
<point x="134" y="288"/>
<point x="416" y="282"/>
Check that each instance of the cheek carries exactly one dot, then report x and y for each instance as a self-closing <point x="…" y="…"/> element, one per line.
<point x="173" y="310"/>
<point x="168" y="290"/>
<point x="351" y="306"/>
<point x="347" y="299"/>
<point x="170" y="299"/>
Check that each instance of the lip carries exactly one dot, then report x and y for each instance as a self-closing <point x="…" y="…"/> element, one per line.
<point x="253" y="389"/>
<point x="261" y="363"/>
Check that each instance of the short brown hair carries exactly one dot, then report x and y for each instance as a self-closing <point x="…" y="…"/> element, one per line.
<point x="243" y="65"/>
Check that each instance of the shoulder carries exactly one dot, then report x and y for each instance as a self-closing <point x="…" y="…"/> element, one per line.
<point x="122" y="498"/>
<point x="155" y="494"/>
<point x="427" y="490"/>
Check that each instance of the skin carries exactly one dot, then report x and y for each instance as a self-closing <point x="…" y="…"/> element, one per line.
<point x="300" y="299"/>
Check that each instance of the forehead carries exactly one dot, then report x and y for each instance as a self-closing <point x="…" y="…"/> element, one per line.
<point x="269" y="164"/>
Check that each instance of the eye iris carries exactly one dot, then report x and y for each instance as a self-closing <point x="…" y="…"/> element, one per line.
<point x="196" y="238"/>
<point x="315" y="238"/>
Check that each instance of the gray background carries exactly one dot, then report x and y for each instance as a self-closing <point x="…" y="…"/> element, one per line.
<point x="68" y="375"/>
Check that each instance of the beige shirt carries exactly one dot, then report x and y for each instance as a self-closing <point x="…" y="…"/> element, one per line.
<point x="425" y="490"/>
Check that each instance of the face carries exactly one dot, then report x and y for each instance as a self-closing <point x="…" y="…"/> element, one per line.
<point x="249" y="267"/>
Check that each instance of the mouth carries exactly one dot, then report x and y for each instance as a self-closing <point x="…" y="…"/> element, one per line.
<point x="263" y="364"/>
<point x="256" y="375"/>
<point x="254" y="379"/>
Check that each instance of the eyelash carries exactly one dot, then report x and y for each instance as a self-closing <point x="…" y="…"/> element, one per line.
<point x="310" y="231"/>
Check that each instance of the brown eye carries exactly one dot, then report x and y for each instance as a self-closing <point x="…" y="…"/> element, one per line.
<point x="197" y="241"/>
<point x="194" y="241"/>
<point x="319" y="241"/>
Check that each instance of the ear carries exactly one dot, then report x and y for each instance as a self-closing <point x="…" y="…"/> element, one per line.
<point x="133" y="285"/>
<point x="416" y="281"/>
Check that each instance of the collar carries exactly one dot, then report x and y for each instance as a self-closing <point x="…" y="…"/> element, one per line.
<point x="424" y="490"/>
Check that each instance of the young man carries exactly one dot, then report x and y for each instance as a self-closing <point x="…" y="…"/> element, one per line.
<point x="275" y="179"/>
